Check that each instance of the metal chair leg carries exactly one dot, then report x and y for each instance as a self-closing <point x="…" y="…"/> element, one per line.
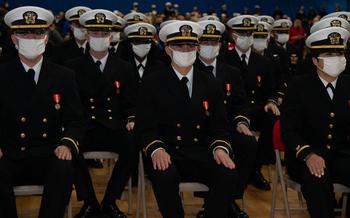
<point x="284" y="187"/>
<point x="130" y="196"/>
<point x="274" y="193"/>
<point x="345" y="204"/>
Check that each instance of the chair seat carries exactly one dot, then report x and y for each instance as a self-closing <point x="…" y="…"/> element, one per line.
<point x="192" y="187"/>
<point x="28" y="190"/>
<point x="100" y="155"/>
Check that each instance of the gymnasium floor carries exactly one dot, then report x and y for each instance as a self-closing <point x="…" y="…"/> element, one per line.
<point x="257" y="202"/>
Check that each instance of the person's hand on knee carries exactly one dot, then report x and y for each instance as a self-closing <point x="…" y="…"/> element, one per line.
<point x="161" y="159"/>
<point x="316" y="165"/>
<point x="222" y="157"/>
<point x="63" y="153"/>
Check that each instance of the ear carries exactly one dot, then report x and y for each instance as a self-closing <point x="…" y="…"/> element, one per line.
<point x="14" y="39"/>
<point x="46" y="39"/>
<point x="315" y="61"/>
<point x="168" y="50"/>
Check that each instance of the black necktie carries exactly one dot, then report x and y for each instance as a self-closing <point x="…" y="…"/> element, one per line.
<point x="31" y="74"/>
<point x="81" y="50"/>
<point x="184" y="87"/>
<point x="243" y="57"/>
<point x="210" y="70"/>
<point x="329" y="85"/>
<point x="98" y="64"/>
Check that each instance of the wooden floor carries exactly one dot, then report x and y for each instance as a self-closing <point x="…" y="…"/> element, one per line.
<point x="257" y="202"/>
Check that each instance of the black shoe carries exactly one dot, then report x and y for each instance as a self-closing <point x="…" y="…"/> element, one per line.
<point x="112" y="211"/>
<point x="236" y="212"/>
<point x="88" y="211"/>
<point x="201" y="214"/>
<point x="260" y="182"/>
<point x="94" y="163"/>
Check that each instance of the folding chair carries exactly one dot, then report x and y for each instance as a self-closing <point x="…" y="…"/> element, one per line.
<point x="287" y="182"/>
<point x="36" y="190"/>
<point x="183" y="187"/>
<point x="107" y="155"/>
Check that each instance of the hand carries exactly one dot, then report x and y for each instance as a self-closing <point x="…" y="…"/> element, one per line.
<point x="316" y="165"/>
<point x="221" y="157"/>
<point x="130" y="126"/>
<point x="272" y="107"/>
<point x="63" y="153"/>
<point x="1" y="154"/>
<point x="244" y="129"/>
<point x="161" y="160"/>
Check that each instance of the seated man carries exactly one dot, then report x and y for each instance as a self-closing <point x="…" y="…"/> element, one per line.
<point x="236" y="104"/>
<point x="182" y="126"/>
<point x="315" y="123"/>
<point x="107" y="89"/>
<point x="40" y="118"/>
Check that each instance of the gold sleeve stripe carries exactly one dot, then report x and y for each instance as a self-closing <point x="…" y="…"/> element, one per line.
<point x="302" y="148"/>
<point x="131" y="117"/>
<point x="150" y="144"/>
<point x="71" y="140"/>
<point x="241" y="116"/>
<point x="221" y="141"/>
<point x="272" y="100"/>
<point x="281" y="93"/>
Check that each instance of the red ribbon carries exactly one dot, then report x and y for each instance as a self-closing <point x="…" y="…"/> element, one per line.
<point x="117" y="84"/>
<point x="57" y="98"/>
<point x="228" y="87"/>
<point x="206" y="105"/>
<point x="258" y="78"/>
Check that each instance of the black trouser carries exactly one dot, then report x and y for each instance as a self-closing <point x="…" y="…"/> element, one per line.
<point x="220" y="180"/>
<point x="54" y="174"/>
<point x="264" y="121"/>
<point x="318" y="192"/>
<point x="103" y="139"/>
<point x="244" y="149"/>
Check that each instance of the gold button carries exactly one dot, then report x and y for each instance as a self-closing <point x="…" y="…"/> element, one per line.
<point x="328" y="147"/>
<point x="329" y="136"/>
<point x="110" y="118"/>
<point x="195" y="140"/>
<point x="44" y="120"/>
<point x="332" y="114"/>
<point x="23" y="148"/>
<point x="225" y="102"/>
<point x="93" y="117"/>
<point x="23" y="135"/>
<point x="178" y="125"/>
<point x="252" y="102"/>
<point x="23" y="119"/>
<point x="108" y="99"/>
<point x="92" y="100"/>
<point x="178" y="138"/>
<point x="177" y="147"/>
<point x="253" y="92"/>
<point x="198" y="127"/>
<point x="331" y="126"/>
<point x="44" y="135"/>
<point x="109" y="110"/>
<point x="92" y="107"/>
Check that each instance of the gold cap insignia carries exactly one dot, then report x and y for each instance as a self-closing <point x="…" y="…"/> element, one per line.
<point x="284" y="25"/>
<point x="100" y="18"/>
<point x="143" y="31"/>
<point x="334" y="38"/>
<point x="30" y="17"/>
<point x="186" y="30"/>
<point x="247" y="21"/>
<point x="210" y="29"/>
<point x="137" y="18"/>
<point x="343" y="16"/>
<point x="336" y="23"/>
<point x="81" y="12"/>
<point x="264" y="19"/>
<point x="260" y="27"/>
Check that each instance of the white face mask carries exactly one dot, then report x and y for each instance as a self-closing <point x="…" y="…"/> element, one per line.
<point x="260" y="44"/>
<point x="115" y="37"/>
<point x="244" y="42"/>
<point x="184" y="59"/>
<point x="209" y="51"/>
<point x="282" y="38"/>
<point x="31" y="48"/>
<point x="141" y="50"/>
<point x="79" y="33"/>
<point x="99" y="43"/>
<point x="333" y="66"/>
